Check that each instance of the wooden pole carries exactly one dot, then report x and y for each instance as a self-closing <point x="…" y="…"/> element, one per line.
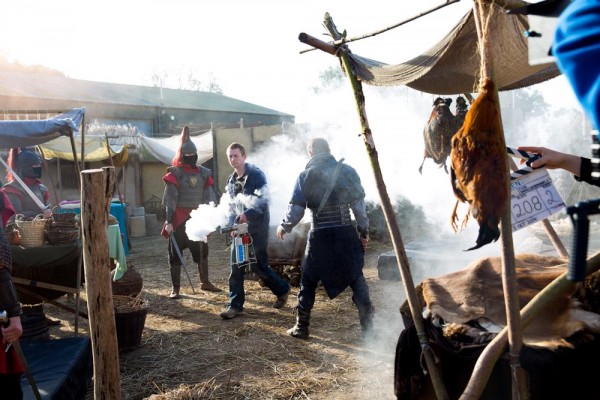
<point x="96" y="192"/>
<point x="390" y="218"/>
<point x="481" y="15"/>
<point x="112" y="163"/>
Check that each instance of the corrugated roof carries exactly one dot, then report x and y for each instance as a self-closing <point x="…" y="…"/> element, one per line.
<point x="59" y="88"/>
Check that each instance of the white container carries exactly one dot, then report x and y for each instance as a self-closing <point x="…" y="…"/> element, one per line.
<point x="137" y="212"/>
<point x="138" y="226"/>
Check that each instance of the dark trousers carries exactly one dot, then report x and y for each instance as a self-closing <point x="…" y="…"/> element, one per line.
<point x="199" y="250"/>
<point x="308" y="287"/>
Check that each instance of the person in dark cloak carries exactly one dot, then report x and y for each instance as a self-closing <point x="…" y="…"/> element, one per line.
<point x="335" y="256"/>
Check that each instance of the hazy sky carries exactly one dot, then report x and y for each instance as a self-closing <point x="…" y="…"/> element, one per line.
<point x="251" y="48"/>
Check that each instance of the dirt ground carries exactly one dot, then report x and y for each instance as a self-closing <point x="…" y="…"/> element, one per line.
<point x="188" y="352"/>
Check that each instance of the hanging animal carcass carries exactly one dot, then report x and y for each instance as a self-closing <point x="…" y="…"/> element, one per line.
<point x="461" y="111"/>
<point x="438" y="132"/>
<point x="479" y="168"/>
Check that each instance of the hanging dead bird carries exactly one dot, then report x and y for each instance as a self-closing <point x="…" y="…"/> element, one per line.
<point x="461" y="110"/>
<point x="437" y="133"/>
<point x="479" y="169"/>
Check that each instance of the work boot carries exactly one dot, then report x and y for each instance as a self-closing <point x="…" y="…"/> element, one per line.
<point x="176" y="279"/>
<point x="209" y="287"/>
<point x="281" y="300"/>
<point x="300" y="330"/>
<point x="204" y="282"/>
<point x="365" y="316"/>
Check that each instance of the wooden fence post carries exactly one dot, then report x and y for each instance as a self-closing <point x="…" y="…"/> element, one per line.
<point x="96" y="191"/>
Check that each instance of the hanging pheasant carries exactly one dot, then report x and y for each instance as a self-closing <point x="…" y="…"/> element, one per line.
<point x="479" y="169"/>
<point x="437" y="133"/>
<point x="479" y="166"/>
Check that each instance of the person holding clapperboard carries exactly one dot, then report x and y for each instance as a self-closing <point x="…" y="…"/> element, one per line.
<point x="576" y="49"/>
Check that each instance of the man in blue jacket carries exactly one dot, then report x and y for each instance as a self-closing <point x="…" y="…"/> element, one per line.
<point x="249" y="203"/>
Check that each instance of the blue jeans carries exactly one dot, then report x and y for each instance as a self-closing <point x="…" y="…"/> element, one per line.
<point x="269" y="277"/>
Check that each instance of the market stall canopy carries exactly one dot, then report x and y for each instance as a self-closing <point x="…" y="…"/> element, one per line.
<point x="33" y="132"/>
<point x="164" y="149"/>
<point x="95" y="148"/>
<point x="452" y="65"/>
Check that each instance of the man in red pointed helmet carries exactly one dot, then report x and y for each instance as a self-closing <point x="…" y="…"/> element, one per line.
<point x="187" y="185"/>
<point x="27" y="165"/>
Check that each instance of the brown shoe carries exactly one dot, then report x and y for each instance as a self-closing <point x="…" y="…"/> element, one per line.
<point x="209" y="287"/>
<point x="230" y="313"/>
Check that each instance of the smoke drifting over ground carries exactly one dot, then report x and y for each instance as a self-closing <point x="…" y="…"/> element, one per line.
<point x="397" y="117"/>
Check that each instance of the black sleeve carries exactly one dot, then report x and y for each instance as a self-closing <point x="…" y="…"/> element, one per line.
<point x="585" y="174"/>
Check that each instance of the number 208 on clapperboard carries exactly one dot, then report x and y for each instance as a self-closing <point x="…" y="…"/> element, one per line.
<point x="533" y="195"/>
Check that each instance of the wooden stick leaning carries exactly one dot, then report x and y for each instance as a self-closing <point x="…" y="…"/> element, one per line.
<point x="388" y="212"/>
<point x="112" y="163"/>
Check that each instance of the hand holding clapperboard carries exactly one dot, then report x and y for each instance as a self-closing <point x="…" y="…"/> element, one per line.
<point x="533" y="196"/>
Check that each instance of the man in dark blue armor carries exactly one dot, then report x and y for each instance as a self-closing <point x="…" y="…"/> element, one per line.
<point x="330" y="189"/>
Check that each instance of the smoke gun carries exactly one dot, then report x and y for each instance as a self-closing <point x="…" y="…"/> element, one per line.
<point x="241" y="241"/>
<point x="239" y="229"/>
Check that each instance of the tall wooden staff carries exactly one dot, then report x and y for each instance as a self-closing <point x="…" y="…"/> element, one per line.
<point x="386" y="205"/>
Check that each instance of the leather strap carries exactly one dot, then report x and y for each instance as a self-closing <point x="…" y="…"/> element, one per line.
<point x="336" y="173"/>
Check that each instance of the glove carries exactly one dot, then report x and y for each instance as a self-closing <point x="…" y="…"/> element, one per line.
<point x="167" y="230"/>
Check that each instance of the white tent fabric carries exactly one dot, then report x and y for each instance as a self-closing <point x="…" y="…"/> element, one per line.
<point x="95" y="148"/>
<point x="164" y="149"/>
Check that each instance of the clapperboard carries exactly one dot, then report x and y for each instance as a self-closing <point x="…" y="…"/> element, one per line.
<point x="533" y="196"/>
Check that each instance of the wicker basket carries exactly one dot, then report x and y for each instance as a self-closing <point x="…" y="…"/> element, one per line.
<point x="62" y="217"/>
<point x="62" y="236"/>
<point x="130" y="318"/>
<point x="130" y="284"/>
<point x="32" y="232"/>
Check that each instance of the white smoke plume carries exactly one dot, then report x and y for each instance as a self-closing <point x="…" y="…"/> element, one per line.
<point x="206" y="219"/>
<point x="209" y="217"/>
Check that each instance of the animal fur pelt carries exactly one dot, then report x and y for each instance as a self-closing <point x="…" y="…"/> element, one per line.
<point x="475" y="293"/>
